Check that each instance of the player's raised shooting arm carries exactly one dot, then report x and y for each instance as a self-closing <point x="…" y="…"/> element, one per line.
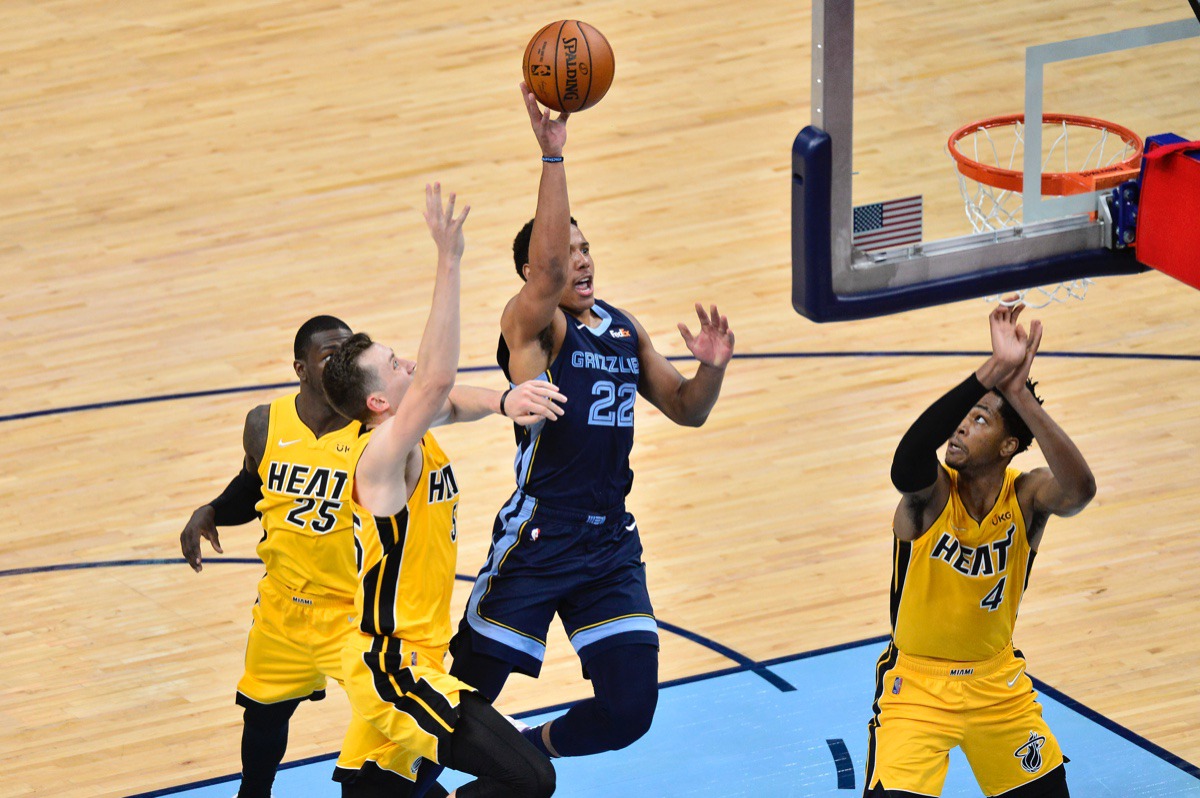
<point x="686" y="401"/>
<point x="532" y="310"/>
<point x="379" y="481"/>
<point x="916" y="472"/>
<point x="1067" y="485"/>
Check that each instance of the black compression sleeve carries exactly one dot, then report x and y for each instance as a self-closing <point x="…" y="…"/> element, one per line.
<point x="915" y="464"/>
<point x="236" y="503"/>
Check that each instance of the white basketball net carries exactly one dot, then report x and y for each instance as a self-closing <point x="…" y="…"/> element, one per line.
<point x="1044" y="295"/>
<point x="989" y="208"/>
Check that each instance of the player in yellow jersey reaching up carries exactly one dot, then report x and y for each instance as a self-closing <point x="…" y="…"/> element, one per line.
<point x="404" y="498"/>
<point x="295" y="477"/>
<point x="966" y="534"/>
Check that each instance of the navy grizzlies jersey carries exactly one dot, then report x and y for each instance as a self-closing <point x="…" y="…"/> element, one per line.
<point x="582" y="459"/>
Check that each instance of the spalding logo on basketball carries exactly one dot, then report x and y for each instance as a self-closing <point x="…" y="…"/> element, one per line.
<point x="568" y="65"/>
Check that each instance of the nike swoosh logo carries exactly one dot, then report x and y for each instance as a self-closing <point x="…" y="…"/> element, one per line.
<point x="283" y="443"/>
<point x="631" y="527"/>
<point x="1013" y="680"/>
<point x="579" y="326"/>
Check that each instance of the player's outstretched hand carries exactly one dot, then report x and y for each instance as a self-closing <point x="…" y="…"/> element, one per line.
<point x="446" y="230"/>
<point x="1014" y="383"/>
<point x="551" y="133"/>
<point x="533" y="401"/>
<point x="713" y="345"/>
<point x="1008" y="339"/>
<point x="202" y="524"/>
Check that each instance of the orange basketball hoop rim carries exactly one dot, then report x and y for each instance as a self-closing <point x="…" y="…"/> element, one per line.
<point x="1053" y="183"/>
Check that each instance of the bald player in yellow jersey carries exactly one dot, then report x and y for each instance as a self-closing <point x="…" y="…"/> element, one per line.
<point x="293" y="475"/>
<point x="404" y="496"/>
<point x="966" y="534"/>
<point x="299" y="454"/>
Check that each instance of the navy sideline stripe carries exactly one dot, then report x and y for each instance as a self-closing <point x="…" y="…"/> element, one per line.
<point x="843" y="763"/>
<point x="756" y="668"/>
<point x="170" y="397"/>
<point x="78" y="566"/>
<point x="469" y="369"/>
<point x="817" y="652"/>
<point x="1118" y="729"/>
<point x="144" y="400"/>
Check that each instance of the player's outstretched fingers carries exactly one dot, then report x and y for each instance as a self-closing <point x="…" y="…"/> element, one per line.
<point x="190" y="547"/>
<point x="1035" y="335"/>
<point x="719" y="321"/>
<point x="535" y="399"/>
<point x="550" y="395"/>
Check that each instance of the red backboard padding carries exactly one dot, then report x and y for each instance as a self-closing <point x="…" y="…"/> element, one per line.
<point x="1168" y="225"/>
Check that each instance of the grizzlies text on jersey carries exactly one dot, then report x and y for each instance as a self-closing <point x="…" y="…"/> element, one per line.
<point x="582" y="459"/>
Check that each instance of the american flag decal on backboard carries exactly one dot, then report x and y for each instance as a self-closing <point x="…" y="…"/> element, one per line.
<point x="883" y="225"/>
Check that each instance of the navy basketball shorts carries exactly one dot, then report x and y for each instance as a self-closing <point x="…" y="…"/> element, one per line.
<point x="586" y="567"/>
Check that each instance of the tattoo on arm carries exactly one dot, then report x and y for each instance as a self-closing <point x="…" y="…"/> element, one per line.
<point x="254" y="438"/>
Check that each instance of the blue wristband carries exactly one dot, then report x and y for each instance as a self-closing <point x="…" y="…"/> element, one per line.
<point x="552" y="159"/>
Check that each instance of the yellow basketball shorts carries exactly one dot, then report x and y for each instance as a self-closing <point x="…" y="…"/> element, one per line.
<point x="405" y="705"/>
<point x="923" y="708"/>
<point x="296" y="641"/>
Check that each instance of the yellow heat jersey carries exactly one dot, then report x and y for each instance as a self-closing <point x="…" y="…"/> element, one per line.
<point x="406" y="561"/>
<point x="307" y="543"/>
<point x="956" y="589"/>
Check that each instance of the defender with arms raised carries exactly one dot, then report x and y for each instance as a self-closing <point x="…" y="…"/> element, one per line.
<point x="404" y="498"/>
<point x="965" y="536"/>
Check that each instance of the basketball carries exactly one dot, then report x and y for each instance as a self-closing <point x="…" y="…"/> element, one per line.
<point x="568" y="65"/>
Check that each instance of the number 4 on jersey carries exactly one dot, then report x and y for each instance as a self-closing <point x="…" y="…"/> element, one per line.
<point x="995" y="597"/>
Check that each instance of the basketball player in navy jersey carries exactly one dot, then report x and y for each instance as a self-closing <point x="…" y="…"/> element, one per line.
<point x="564" y="542"/>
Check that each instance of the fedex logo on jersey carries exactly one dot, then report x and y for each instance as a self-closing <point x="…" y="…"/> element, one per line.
<point x="620" y="332"/>
<point x="610" y="363"/>
<point x="983" y="561"/>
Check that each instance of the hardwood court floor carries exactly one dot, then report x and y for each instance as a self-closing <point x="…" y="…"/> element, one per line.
<point x="183" y="183"/>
